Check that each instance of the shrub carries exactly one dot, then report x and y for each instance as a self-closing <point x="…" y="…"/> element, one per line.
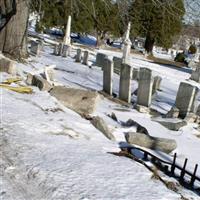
<point x="192" y="49"/>
<point x="180" y="57"/>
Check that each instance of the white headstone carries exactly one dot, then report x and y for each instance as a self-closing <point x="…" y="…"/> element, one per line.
<point x="67" y="38"/>
<point x="145" y="87"/>
<point x="127" y="45"/>
<point x="125" y="83"/>
<point x="108" y="76"/>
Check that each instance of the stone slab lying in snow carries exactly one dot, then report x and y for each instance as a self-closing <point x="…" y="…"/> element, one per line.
<point x="81" y="101"/>
<point x="101" y="125"/>
<point x="162" y="144"/>
<point x="172" y="123"/>
<point x="40" y="82"/>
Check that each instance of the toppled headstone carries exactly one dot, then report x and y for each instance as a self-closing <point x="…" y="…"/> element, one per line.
<point x="81" y="101"/>
<point x="173" y="113"/>
<point x="142" y="109"/>
<point x="78" y="55"/>
<point x="145" y="87"/>
<point x="156" y="83"/>
<point x="125" y="83"/>
<point x="101" y="125"/>
<point x="7" y="65"/>
<point x="139" y="128"/>
<point x="41" y="83"/>
<point x="185" y="99"/>
<point x="108" y="76"/>
<point x="171" y="124"/>
<point x="155" y="143"/>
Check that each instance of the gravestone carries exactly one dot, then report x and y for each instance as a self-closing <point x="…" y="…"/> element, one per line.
<point x="100" y="60"/>
<point x="145" y="87"/>
<point x="125" y="83"/>
<point x="85" y="57"/>
<point x="135" y="74"/>
<point x="117" y="64"/>
<point x="196" y="74"/>
<point x="78" y="55"/>
<point x="185" y="99"/>
<point x="156" y="83"/>
<point x="66" y="50"/>
<point x="108" y="76"/>
<point x="35" y="48"/>
<point x="58" y="49"/>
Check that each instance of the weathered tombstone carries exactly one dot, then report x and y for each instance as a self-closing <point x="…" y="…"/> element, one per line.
<point x="58" y="49"/>
<point x="196" y="74"/>
<point x="66" y="50"/>
<point x="135" y="74"/>
<point x="125" y="83"/>
<point x="85" y="57"/>
<point x="107" y="76"/>
<point x="117" y="64"/>
<point x="156" y="83"/>
<point x="185" y="98"/>
<point x="35" y="48"/>
<point x="145" y="87"/>
<point x="100" y="60"/>
<point x="78" y="55"/>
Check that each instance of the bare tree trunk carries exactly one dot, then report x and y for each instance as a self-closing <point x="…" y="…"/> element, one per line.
<point x="13" y="37"/>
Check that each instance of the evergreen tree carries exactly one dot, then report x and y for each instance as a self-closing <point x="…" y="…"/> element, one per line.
<point x="158" y="21"/>
<point x="99" y="16"/>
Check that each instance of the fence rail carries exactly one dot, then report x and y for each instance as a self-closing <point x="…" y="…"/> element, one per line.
<point x="164" y="166"/>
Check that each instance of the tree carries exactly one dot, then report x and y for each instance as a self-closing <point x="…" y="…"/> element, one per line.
<point x="157" y="20"/>
<point x="13" y="29"/>
<point x="99" y="16"/>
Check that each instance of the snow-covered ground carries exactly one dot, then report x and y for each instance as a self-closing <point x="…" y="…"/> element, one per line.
<point x="50" y="152"/>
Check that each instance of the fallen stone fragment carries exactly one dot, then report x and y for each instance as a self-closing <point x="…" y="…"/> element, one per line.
<point x="142" y="109"/>
<point x="7" y="65"/>
<point x="172" y="124"/>
<point x="140" y="129"/>
<point x="155" y="143"/>
<point x="81" y="101"/>
<point x="101" y="125"/>
<point x="41" y="83"/>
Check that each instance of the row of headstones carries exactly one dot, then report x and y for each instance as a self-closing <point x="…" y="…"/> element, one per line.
<point x="147" y="85"/>
<point x="64" y="51"/>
